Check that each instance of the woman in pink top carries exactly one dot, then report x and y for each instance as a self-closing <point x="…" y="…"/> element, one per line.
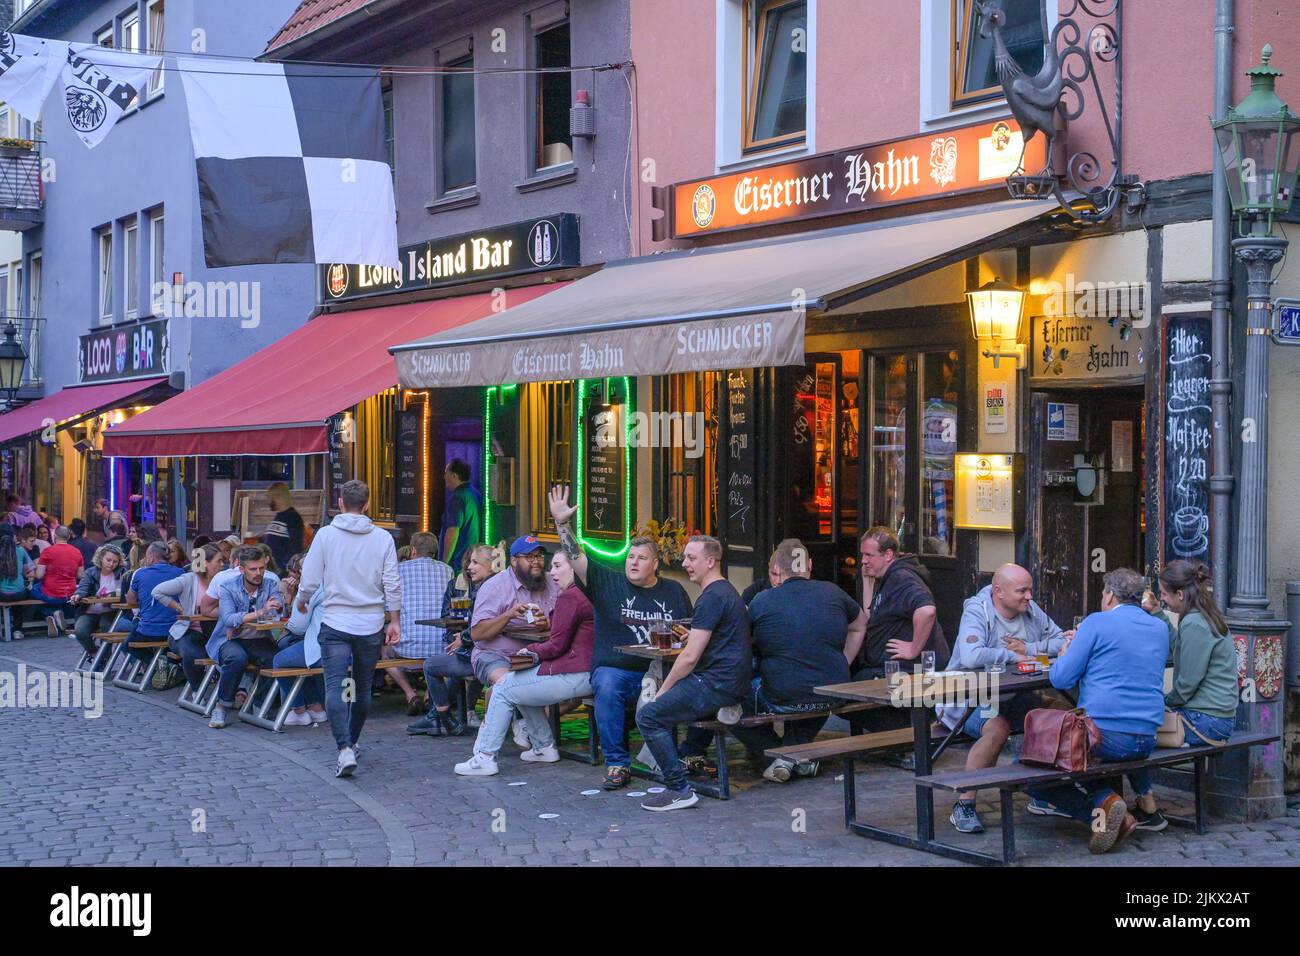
<point x="561" y="671"/>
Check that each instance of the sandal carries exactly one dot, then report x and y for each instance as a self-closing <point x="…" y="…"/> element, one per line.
<point x="413" y="706"/>
<point x="240" y="697"/>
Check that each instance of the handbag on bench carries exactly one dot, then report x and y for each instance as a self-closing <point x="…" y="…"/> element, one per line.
<point x="1059" y="739"/>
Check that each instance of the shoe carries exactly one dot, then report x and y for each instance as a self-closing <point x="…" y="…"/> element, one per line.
<point x="965" y="819"/>
<point x="779" y="770"/>
<point x="347" y="762"/>
<point x="428" y="724"/>
<point x="670" y="800"/>
<point x="806" y="768"/>
<point x="413" y="705"/>
<point x="472" y="719"/>
<point x="1153" y="822"/>
<point x="520" y="733"/>
<point x="451" y="725"/>
<point x="730" y="714"/>
<point x="479" y="765"/>
<point x="541" y="755"/>
<point x="616" y="778"/>
<point x="297" y="720"/>
<point x="1041" y="808"/>
<point x="1126" y="828"/>
<point x="318" y="716"/>
<point x="50" y="628"/>
<point x="220" y="718"/>
<point x="905" y="761"/>
<point x="700" y="766"/>
<point x="59" y="624"/>
<point x="1106" y="823"/>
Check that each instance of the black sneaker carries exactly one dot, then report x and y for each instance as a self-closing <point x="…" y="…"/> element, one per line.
<point x="428" y="724"/>
<point x="670" y="800"/>
<point x="700" y="766"/>
<point x="1152" y="822"/>
<point x="616" y="778"/>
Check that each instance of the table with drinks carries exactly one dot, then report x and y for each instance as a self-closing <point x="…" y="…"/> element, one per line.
<point x="917" y="692"/>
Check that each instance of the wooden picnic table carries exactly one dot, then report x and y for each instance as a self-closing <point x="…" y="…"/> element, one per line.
<point x="197" y="618"/>
<point x="267" y="625"/>
<point x="879" y="691"/>
<point x="446" y="623"/>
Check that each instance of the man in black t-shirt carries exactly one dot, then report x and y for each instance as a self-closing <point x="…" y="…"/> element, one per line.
<point x="285" y="532"/>
<point x="625" y="606"/>
<point x="806" y="633"/>
<point x="711" y="674"/>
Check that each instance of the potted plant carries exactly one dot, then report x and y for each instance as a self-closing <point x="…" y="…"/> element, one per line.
<point x="670" y="535"/>
<point x="12" y="146"/>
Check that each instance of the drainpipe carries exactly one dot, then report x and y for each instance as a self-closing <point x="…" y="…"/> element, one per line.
<point x="1221" y="479"/>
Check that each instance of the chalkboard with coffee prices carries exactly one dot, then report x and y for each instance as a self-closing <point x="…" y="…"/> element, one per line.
<point x="604" y="473"/>
<point x="408" y="463"/>
<point x="741" y="461"/>
<point x="1186" y="431"/>
<point x="342" y="444"/>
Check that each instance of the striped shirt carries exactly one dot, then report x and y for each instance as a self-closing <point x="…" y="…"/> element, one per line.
<point x="424" y="581"/>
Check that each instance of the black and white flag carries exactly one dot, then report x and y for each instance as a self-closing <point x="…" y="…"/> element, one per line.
<point x="29" y="67"/>
<point x="291" y="163"/>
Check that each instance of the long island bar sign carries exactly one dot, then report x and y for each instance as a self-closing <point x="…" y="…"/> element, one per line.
<point x="521" y="247"/>
<point x="929" y="166"/>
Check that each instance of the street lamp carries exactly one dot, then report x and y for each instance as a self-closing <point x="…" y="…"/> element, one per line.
<point x="12" y="360"/>
<point x="996" y="311"/>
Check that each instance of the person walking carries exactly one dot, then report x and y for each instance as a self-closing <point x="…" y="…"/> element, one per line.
<point x="355" y="563"/>
<point x="463" y="522"/>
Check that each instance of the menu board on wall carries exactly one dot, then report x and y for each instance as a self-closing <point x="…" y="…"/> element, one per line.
<point x="1186" y="434"/>
<point x="740" y="462"/>
<point x="604" y="473"/>
<point x="342" y="446"/>
<point x="408" y="464"/>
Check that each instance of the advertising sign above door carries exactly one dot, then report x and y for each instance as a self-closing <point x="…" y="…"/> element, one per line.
<point x="929" y="166"/>
<point x="1086" y="351"/>
<point x="119" y="354"/>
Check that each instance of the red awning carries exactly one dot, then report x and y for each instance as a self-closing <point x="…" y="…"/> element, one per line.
<point x="67" y="404"/>
<point x="278" y="401"/>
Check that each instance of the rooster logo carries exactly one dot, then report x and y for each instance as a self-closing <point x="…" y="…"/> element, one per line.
<point x="86" y="108"/>
<point x="943" y="160"/>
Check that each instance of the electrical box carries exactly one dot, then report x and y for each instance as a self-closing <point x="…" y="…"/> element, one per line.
<point x="990" y="491"/>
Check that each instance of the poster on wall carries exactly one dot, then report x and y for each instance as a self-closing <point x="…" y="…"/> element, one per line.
<point x="1186" y="433"/>
<point x="995" y="408"/>
<point x="1062" y="421"/>
<point x="604" y="514"/>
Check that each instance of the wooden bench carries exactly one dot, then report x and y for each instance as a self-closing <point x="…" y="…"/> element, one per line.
<point x="6" y="619"/>
<point x="133" y="673"/>
<point x="259" y="715"/>
<point x="1010" y="778"/>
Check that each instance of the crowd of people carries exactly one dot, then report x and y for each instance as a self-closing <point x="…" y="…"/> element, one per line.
<point x="545" y="631"/>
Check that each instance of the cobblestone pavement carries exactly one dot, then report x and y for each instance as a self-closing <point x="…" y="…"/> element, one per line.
<point x="148" y="783"/>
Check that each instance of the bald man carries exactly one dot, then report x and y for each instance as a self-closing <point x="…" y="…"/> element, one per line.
<point x="999" y="625"/>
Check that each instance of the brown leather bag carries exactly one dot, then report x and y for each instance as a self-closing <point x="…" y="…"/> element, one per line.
<point x="1061" y="739"/>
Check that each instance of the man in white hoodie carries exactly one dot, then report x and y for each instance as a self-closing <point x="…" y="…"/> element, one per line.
<point x="356" y="565"/>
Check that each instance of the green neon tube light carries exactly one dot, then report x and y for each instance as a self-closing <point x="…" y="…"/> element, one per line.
<point x="598" y="547"/>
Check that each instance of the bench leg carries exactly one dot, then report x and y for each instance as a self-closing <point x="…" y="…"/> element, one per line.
<point x="199" y="701"/>
<point x="724" y="775"/>
<point x="850" y="793"/>
<point x="8" y="624"/>
<point x="1008" y="827"/>
<point x="1200" y="765"/>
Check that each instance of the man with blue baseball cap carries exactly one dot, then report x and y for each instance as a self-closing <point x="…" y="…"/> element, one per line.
<point x="515" y="600"/>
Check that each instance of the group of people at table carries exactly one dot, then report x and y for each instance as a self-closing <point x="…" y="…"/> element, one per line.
<point x="543" y="634"/>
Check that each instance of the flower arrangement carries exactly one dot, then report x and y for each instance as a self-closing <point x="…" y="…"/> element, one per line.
<point x="10" y="142"/>
<point x="670" y="535"/>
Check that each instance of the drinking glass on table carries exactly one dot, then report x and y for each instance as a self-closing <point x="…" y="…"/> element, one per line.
<point x="995" y="667"/>
<point x="927" y="666"/>
<point x="893" y="672"/>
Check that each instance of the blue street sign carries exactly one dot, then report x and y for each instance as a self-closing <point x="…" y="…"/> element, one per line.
<point x="1288" y="321"/>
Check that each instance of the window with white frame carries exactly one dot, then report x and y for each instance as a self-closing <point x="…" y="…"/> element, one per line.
<point x="130" y="41"/>
<point x="157" y="37"/>
<point x="157" y="277"/>
<point x="776" y="74"/>
<point x="106" y="277"/>
<point x="5" y="289"/>
<point x="105" y="37"/>
<point x="15" y="301"/>
<point x="33" y="327"/>
<point x="131" y="269"/>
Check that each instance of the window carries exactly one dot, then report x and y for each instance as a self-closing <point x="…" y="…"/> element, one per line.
<point x="34" y="310"/>
<point x="553" y="144"/>
<point x="106" y="277"/>
<point x="130" y="41"/>
<point x="4" y="290"/>
<point x="941" y="392"/>
<point x="390" y="152"/>
<point x="551" y="420"/>
<point x="4" y="121"/>
<point x="157" y="38"/>
<point x="688" y="483"/>
<point x="131" y="269"/>
<point x="376" y="439"/>
<point x="777" y="73"/>
<point x="458" y="167"/>
<point x="105" y="37"/>
<point x="974" y="58"/>
<point x="157" y="277"/>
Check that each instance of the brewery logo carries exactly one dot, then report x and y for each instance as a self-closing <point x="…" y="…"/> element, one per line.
<point x="943" y="160"/>
<point x="337" y="280"/>
<point x="703" y="205"/>
<point x="120" y="352"/>
<point x="1001" y="136"/>
<point x="543" y="243"/>
<point x="86" y="108"/>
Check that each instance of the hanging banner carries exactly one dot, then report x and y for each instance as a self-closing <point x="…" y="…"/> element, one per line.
<point x="99" y="85"/>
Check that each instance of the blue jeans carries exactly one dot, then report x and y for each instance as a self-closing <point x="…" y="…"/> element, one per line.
<point x="232" y="657"/>
<point x="338" y="652"/>
<point x="759" y="739"/>
<point x="312" y="691"/>
<point x="687" y="700"/>
<point x="1079" y="799"/>
<point x="52" y="604"/>
<point x="614" y="688"/>
<point x="530" y="692"/>
<point x="437" y="668"/>
<point x="1214" y="728"/>
<point x="191" y="647"/>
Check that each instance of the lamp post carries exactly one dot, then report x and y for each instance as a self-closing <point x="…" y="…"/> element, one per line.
<point x="1260" y="150"/>
<point x="12" y="360"/>
<point x="997" y="310"/>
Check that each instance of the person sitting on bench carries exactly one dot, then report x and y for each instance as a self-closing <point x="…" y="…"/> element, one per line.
<point x="1204" y="693"/>
<point x="154" y="619"/>
<point x="57" y="571"/>
<point x="100" y="586"/>
<point x="805" y="634"/>
<point x="184" y="595"/>
<point x="711" y="673"/>
<point x="1117" y="661"/>
<point x="250" y="598"/>
<point x="300" y="647"/>
<point x="1001" y="624"/>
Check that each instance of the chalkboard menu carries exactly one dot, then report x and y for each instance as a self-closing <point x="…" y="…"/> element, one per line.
<point x="342" y="446"/>
<point x="741" y="461"/>
<point x="605" y="474"/>
<point x="1186" y="433"/>
<point x="408" y="463"/>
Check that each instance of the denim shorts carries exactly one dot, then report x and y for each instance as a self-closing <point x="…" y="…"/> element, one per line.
<point x="1013" y="709"/>
<point x="486" y="661"/>
<point x="1214" y="728"/>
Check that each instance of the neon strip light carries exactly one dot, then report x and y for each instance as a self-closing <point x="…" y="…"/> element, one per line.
<point x="488" y="395"/>
<point x="629" y="406"/>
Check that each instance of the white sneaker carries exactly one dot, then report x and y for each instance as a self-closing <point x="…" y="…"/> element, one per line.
<point x="541" y="755"/>
<point x="730" y="714"/>
<point x="317" y="716"/>
<point x="347" y="763"/>
<point x="296" y="719"/>
<point x="479" y="765"/>
<point x="472" y="719"/>
<point x="520" y="733"/>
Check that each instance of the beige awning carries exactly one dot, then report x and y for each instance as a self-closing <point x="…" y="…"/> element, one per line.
<point x="735" y="306"/>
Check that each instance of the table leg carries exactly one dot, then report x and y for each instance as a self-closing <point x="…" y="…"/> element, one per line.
<point x="921" y="754"/>
<point x="8" y="624"/>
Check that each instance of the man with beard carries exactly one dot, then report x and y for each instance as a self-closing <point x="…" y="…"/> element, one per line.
<point x="504" y="604"/>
